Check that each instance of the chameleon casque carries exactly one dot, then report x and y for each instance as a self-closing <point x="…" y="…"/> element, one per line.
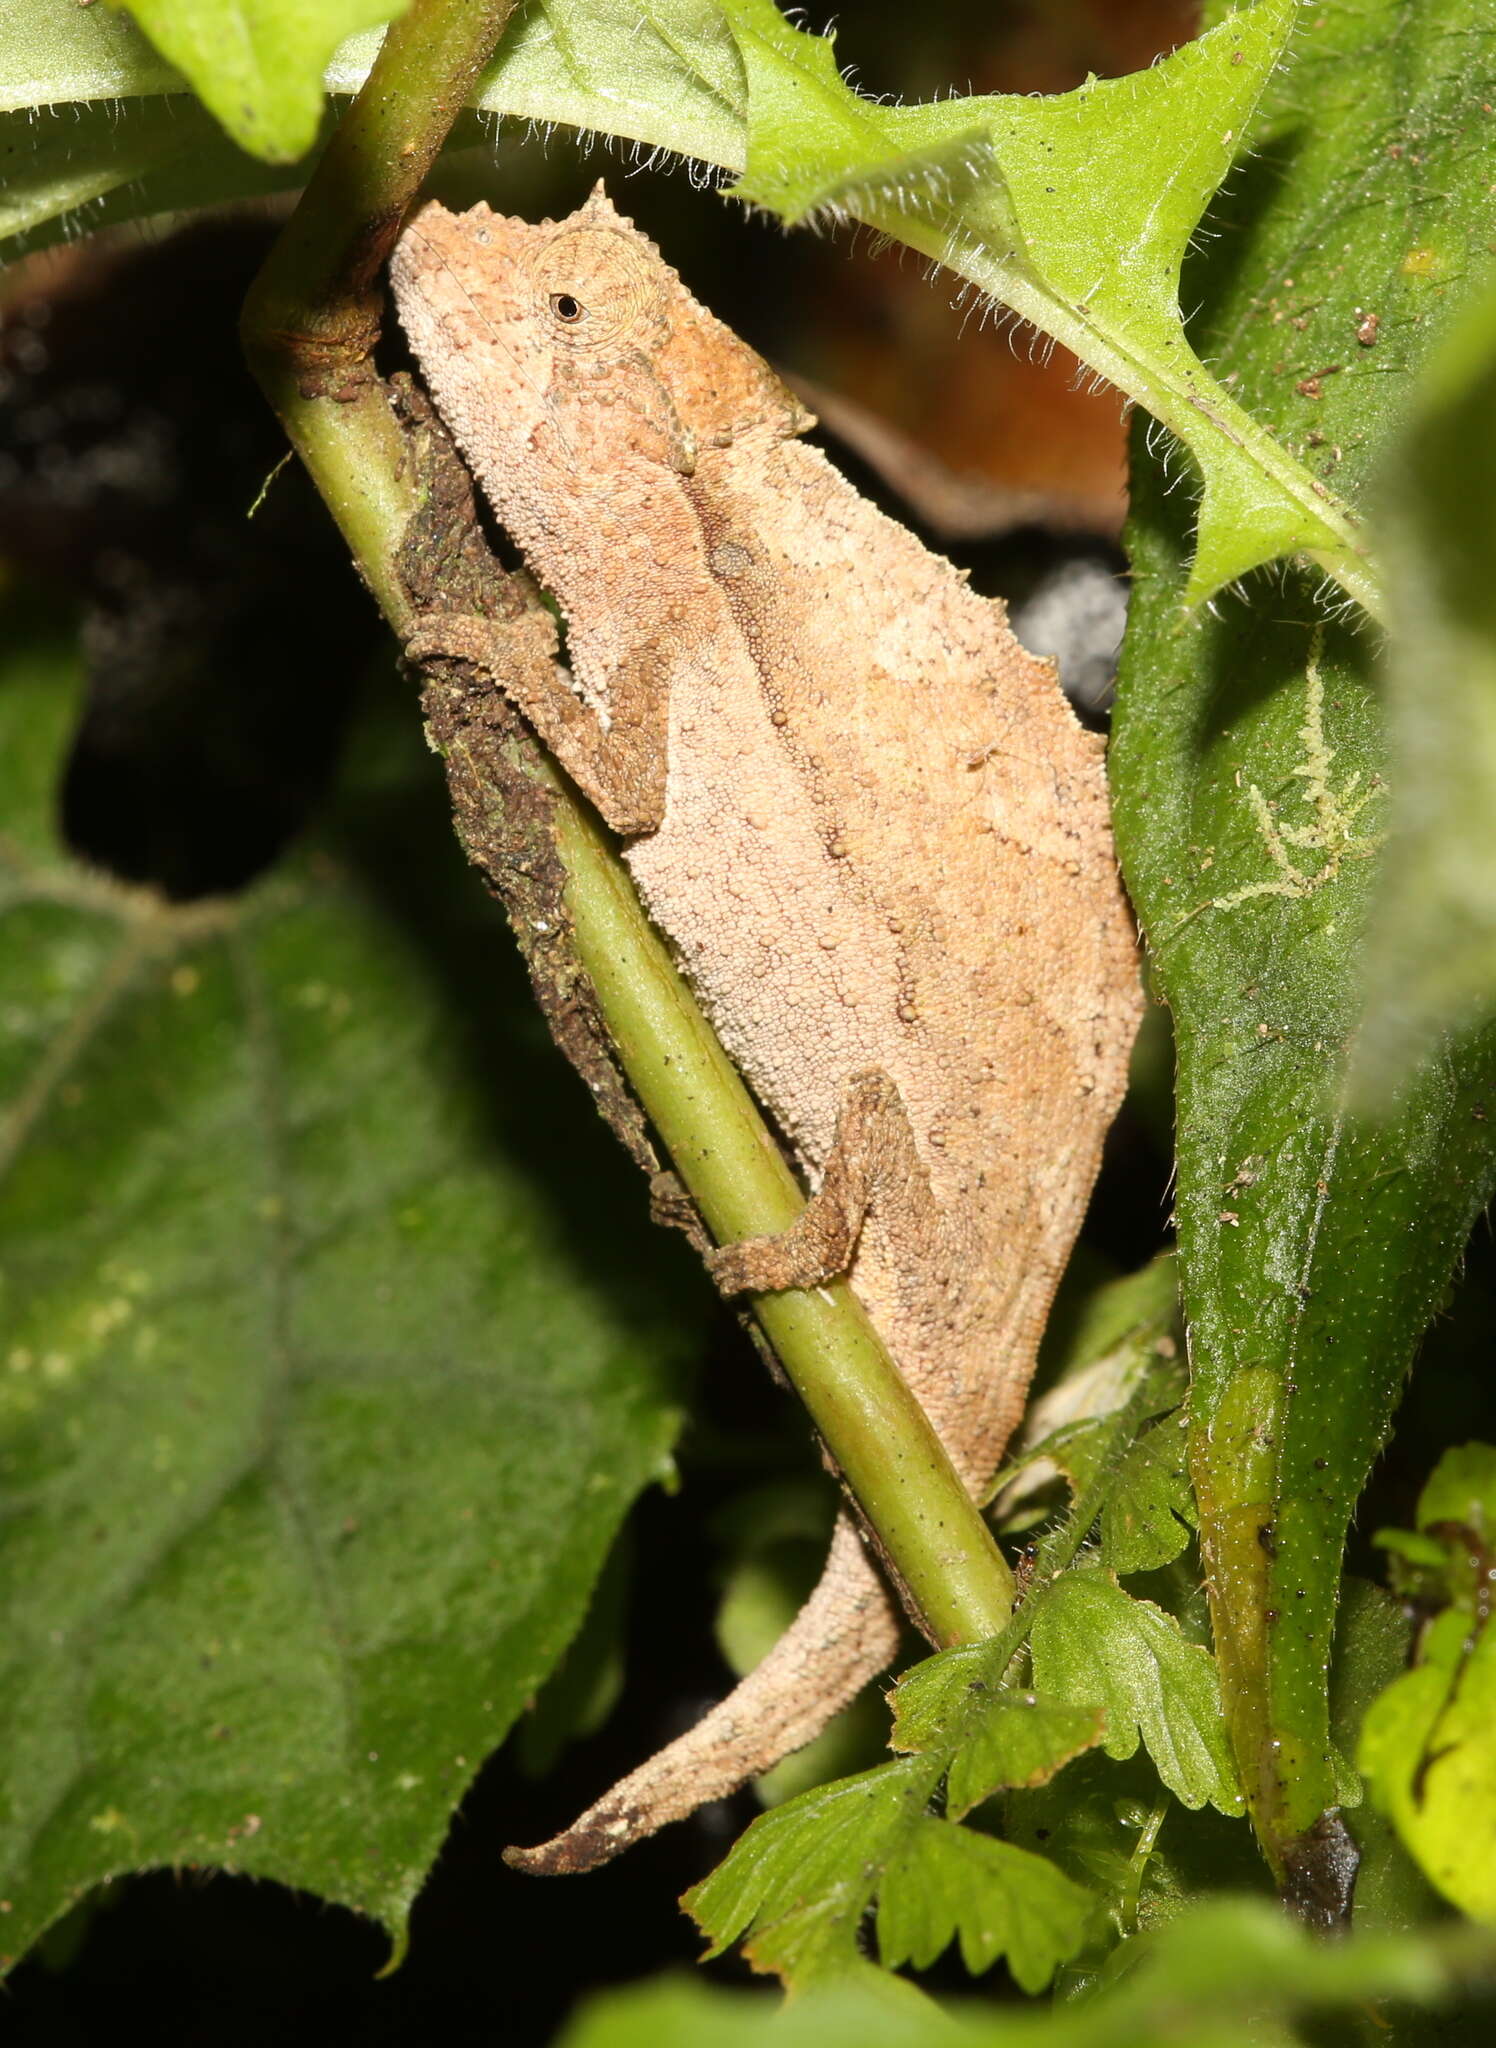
<point x="864" y="817"/>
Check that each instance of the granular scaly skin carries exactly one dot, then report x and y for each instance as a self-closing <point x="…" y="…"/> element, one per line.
<point x="864" y="816"/>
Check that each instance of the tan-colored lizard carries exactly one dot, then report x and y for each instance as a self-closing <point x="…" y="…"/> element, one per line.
<point x="864" y="816"/>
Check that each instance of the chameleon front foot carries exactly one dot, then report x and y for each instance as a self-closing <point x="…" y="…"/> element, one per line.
<point x="873" y="1159"/>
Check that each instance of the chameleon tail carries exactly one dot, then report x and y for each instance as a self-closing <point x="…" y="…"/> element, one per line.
<point x="844" y="1635"/>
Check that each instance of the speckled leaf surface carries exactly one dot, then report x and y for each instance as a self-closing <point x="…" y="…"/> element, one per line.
<point x="1251" y="775"/>
<point x="328" y="1367"/>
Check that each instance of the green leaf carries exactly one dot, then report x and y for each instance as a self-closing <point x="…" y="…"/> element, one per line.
<point x="120" y="138"/>
<point x="946" y="1883"/>
<point x="1125" y="1312"/>
<point x="1432" y="942"/>
<point x="1462" y="1489"/>
<point x="1001" y="1737"/>
<point x="257" y="65"/>
<point x="323" y="1389"/>
<point x="1112" y="1827"/>
<point x="1427" y="1755"/>
<point x="1373" y="1639"/>
<point x="53" y="55"/>
<point x="1249" y="768"/>
<point x="665" y="73"/>
<point x="1095" y="1646"/>
<point x="1426" y="1740"/>
<point x="1074" y="211"/>
<point x="1150" y="1509"/>
<point x="684" y="2012"/>
<point x="93" y="166"/>
<point x="1236" y="1974"/>
<point x="799" y="1881"/>
<point x="1119" y="1368"/>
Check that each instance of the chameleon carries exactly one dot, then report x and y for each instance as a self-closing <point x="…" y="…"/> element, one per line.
<point x="865" y="819"/>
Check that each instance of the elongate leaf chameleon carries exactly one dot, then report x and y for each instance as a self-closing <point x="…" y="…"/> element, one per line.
<point x="864" y="817"/>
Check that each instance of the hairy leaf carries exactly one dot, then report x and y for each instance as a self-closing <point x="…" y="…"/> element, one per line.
<point x="999" y="1737"/>
<point x="1094" y="1645"/>
<point x="1150" y="1509"/>
<point x="666" y="74"/>
<point x="795" y="1887"/>
<point x="1237" y="1974"/>
<point x="1432" y="941"/>
<point x="82" y="168"/>
<point x="53" y="55"/>
<point x="1250" y="771"/>
<point x="946" y="1883"/>
<point x="320" y="1397"/>
<point x="1074" y="211"/>
<point x="1120" y="1368"/>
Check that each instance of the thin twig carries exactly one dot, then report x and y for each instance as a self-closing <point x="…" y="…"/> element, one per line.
<point x="310" y="326"/>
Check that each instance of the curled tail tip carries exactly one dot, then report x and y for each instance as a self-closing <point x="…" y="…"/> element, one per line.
<point x="844" y="1635"/>
<point x="586" y="1845"/>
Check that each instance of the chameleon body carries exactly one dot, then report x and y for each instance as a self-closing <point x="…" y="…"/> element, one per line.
<point x="865" y="818"/>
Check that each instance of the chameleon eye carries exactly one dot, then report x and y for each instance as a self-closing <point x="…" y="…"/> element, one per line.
<point x="595" y="286"/>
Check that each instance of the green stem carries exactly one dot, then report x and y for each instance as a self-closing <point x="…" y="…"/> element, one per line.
<point x="880" y="1437"/>
<point x="314" y="313"/>
<point x="310" y="326"/>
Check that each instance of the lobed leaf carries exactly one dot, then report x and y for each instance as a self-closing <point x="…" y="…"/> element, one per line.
<point x="320" y="1400"/>
<point x="1119" y="1369"/>
<point x="945" y="1883"/>
<point x="998" y="1737"/>
<point x="1094" y="1645"/>
<point x="794" y="1888"/>
<point x="1150" y="1508"/>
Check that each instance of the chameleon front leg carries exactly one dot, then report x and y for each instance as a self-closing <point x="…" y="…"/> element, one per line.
<point x="619" y="766"/>
<point x="873" y="1159"/>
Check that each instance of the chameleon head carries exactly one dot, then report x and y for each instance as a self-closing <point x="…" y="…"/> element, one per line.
<point x="573" y="344"/>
